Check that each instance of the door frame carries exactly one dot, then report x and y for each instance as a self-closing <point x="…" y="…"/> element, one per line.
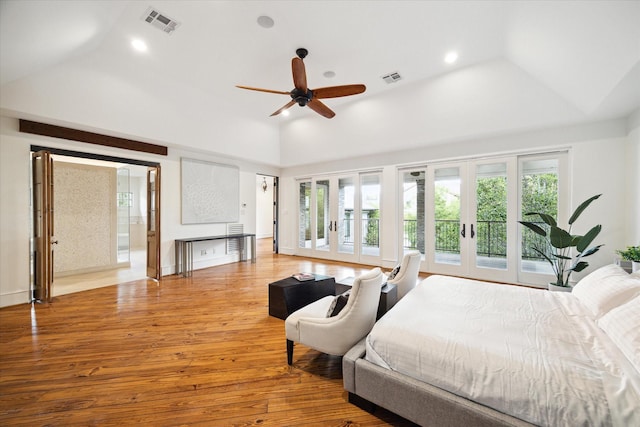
<point x="92" y="156"/>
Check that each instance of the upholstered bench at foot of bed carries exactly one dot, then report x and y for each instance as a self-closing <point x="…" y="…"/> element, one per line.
<point x="412" y="399"/>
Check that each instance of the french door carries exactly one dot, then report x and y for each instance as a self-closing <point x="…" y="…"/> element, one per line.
<point x="463" y="216"/>
<point x="154" y="269"/>
<point x="339" y="217"/>
<point x="472" y="226"/>
<point x="43" y="240"/>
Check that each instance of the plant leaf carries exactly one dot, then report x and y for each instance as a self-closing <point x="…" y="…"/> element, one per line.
<point x="590" y="251"/>
<point x="559" y="238"/>
<point x="562" y="256"/>
<point x="534" y="227"/>
<point x="580" y="266"/>
<point x="544" y="255"/>
<point x="548" y="219"/>
<point x="581" y="208"/>
<point x="575" y="240"/>
<point x="588" y="238"/>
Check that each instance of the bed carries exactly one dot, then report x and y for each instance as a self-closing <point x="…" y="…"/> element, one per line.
<point x="462" y="352"/>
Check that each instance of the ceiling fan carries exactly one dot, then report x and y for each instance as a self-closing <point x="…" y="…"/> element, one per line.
<point x="302" y="95"/>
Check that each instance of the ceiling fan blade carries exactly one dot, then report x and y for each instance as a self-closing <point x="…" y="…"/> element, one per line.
<point x="337" y="91"/>
<point x="317" y="106"/>
<point x="299" y="75"/>
<point x="264" y="90"/>
<point x="289" y="105"/>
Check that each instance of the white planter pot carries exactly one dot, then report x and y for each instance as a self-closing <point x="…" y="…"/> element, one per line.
<point x="635" y="266"/>
<point x="556" y="288"/>
<point x="626" y="265"/>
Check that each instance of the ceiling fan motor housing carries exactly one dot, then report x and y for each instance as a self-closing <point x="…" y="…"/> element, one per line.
<point x="300" y="97"/>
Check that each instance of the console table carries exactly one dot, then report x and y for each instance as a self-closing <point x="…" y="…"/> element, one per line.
<point x="184" y="250"/>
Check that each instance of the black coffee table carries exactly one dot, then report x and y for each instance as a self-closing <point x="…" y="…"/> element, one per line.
<point x="290" y="294"/>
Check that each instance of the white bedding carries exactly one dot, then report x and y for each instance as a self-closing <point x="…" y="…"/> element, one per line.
<point x="536" y="355"/>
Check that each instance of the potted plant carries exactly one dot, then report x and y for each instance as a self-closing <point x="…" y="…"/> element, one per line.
<point x="559" y="245"/>
<point x="632" y="253"/>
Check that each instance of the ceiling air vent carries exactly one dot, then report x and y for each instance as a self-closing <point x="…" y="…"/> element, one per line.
<point x="392" y="77"/>
<point x="160" y="20"/>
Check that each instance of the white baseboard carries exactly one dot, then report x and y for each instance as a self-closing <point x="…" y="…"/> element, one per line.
<point x="15" y="298"/>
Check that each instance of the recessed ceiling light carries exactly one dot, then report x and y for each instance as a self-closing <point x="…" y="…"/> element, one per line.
<point x="451" y="57"/>
<point x="265" y="21"/>
<point x="285" y="113"/>
<point x="139" y="45"/>
<point x="329" y="74"/>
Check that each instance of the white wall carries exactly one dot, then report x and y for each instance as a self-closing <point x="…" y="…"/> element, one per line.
<point x="600" y="163"/>
<point x="632" y="232"/>
<point x="15" y="205"/>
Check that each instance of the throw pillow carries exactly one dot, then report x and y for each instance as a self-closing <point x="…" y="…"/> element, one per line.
<point x="606" y="288"/>
<point x="338" y="303"/>
<point x="622" y="324"/>
<point x="393" y="273"/>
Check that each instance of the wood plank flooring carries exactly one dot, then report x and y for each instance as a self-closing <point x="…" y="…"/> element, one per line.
<point x="199" y="351"/>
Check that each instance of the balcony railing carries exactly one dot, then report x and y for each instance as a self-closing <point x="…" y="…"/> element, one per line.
<point x="490" y="237"/>
<point x="370" y="232"/>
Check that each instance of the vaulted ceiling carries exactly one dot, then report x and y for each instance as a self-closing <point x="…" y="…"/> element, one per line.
<point x="522" y="65"/>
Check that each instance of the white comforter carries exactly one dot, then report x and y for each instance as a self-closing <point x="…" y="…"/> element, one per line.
<point x="532" y="354"/>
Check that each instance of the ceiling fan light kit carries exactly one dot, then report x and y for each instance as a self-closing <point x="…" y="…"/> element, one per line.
<point x="303" y="96"/>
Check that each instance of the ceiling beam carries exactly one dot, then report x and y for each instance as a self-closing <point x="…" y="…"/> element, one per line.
<point x="54" y="131"/>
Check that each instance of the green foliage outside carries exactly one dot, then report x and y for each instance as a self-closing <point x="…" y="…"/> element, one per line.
<point x="372" y="237"/>
<point x="539" y="194"/>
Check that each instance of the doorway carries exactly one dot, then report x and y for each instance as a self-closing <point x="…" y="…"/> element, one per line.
<point x="267" y="209"/>
<point x="124" y="258"/>
<point x="100" y="211"/>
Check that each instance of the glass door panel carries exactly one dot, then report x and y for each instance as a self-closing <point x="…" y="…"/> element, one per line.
<point x="124" y="203"/>
<point x="370" y="214"/>
<point x="324" y="225"/>
<point x="539" y="193"/>
<point x="447" y="187"/>
<point x="304" y="215"/>
<point x="346" y="219"/>
<point x="491" y="216"/>
<point x="413" y="211"/>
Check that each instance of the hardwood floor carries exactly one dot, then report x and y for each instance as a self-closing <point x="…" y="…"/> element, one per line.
<point x="200" y="351"/>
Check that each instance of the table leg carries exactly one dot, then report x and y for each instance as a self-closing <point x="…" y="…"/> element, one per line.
<point x="253" y="249"/>
<point x="242" y="248"/>
<point x="178" y="257"/>
<point x="188" y="259"/>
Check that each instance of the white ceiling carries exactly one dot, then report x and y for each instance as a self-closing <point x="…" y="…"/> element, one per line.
<point x="522" y="65"/>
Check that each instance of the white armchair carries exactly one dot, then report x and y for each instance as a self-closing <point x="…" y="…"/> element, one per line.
<point x="407" y="277"/>
<point x="336" y="335"/>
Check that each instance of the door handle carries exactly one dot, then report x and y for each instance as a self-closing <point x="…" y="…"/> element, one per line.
<point x="335" y="225"/>
<point x="330" y="225"/>
<point x="463" y="233"/>
<point x="472" y="232"/>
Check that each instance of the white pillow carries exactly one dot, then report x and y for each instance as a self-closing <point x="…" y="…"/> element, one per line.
<point x="606" y="288"/>
<point x="622" y="325"/>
